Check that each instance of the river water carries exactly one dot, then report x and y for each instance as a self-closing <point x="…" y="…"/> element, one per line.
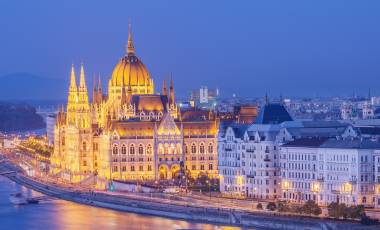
<point x="59" y="214"/>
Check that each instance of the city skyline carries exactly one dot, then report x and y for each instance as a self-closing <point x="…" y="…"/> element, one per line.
<point x="329" y="49"/>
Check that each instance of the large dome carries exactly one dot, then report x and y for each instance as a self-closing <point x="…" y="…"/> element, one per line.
<point x="130" y="71"/>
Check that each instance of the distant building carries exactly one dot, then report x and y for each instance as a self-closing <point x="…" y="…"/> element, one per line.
<point x="50" y="125"/>
<point x="204" y="97"/>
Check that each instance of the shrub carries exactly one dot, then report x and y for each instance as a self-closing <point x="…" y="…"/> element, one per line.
<point x="259" y="206"/>
<point x="356" y="212"/>
<point x="310" y="207"/>
<point x="271" y="206"/>
<point x="337" y="210"/>
<point x="283" y="207"/>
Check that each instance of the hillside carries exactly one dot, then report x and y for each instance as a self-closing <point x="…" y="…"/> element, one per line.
<point x="19" y="117"/>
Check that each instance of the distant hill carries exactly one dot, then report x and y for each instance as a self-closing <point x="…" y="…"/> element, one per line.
<point x="22" y="86"/>
<point x="19" y="117"/>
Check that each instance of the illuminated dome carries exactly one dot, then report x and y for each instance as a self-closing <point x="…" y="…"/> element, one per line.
<point x="130" y="71"/>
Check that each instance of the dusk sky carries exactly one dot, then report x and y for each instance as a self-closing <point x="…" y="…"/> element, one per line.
<point x="294" y="48"/>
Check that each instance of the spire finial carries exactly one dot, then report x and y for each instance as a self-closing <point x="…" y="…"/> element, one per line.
<point x="82" y="81"/>
<point x="99" y="83"/>
<point x="266" y="99"/>
<point x="130" y="47"/>
<point x="73" y="82"/>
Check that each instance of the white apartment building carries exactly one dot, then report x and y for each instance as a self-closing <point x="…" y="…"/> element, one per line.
<point x="328" y="170"/>
<point x="298" y="161"/>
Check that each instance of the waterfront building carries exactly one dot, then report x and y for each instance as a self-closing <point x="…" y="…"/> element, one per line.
<point x="328" y="170"/>
<point x="248" y="155"/>
<point x="131" y="133"/>
<point x="296" y="161"/>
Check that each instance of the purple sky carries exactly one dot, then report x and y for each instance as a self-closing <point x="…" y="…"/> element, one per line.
<point x="297" y="48"/>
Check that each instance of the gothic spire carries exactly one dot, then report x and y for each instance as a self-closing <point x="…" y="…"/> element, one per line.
<point x="82" y="81"/>
<point x="164" y="90"/>
<point x="73" y="82"/>
<point x="130" y="46"/>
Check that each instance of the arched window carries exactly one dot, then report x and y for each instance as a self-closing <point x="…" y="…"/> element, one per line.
<point x="131" y="149"/>
<point x="115" y="150"/>
<point x="210" y="148"/>
<point x="166" y="149"/>
<point x="193" y="148"/>
<point x="84" y="146"/>
<point x="123" y="149"/>
<point x="160" y="149"/>
<point x="149" y="149"/>
<point x="202" y="148"/>
<point x="141" y="149"/>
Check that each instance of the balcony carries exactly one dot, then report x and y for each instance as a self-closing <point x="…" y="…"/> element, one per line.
<point x="266" y="159"/>
<point x="228" y="149"/>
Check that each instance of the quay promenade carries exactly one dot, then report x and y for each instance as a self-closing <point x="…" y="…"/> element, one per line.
<point x="186" y="208"/>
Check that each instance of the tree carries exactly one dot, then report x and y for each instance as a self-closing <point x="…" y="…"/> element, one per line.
<point x="356" y="212"/>
<point x="283" y="207"/>
<point x="310" y="207"/>
<point x="271" y="206"/>
<point x="336" y="210"/>
<point x="259" y="206"/>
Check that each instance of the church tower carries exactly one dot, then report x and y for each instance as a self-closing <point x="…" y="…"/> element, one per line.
<point x="83" y="107"/>
<point x="72" y="99"/>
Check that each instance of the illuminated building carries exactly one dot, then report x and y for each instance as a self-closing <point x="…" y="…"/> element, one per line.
<point x="132" y="133"/>
<point x="329" y="170"/>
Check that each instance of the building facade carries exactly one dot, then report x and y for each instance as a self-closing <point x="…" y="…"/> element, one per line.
<point x="132" y="133"/>
<point x="280" y="159"/>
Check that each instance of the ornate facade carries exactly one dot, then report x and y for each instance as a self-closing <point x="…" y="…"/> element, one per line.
<point x="132" y="133"/>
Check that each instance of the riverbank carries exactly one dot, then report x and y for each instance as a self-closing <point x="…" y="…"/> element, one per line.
<point x="175" y="209"/>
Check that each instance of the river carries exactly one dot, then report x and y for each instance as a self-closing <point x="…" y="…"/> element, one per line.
<point x="60" y="214"/>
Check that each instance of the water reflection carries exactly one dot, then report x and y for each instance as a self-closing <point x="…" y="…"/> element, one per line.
<point x="58" y="214"/>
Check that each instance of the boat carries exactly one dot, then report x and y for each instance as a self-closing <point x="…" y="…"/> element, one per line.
<point x="17" y="199"/>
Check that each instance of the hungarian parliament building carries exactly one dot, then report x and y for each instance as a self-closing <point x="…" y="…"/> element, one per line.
<point x="133" y="133"/>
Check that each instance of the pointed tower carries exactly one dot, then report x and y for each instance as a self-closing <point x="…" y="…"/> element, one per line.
<point x="171" y="93"/>
<point x="100" y="93"/>
<point x="130" y="46"/>
<point x="83" y="109"/>
<point x="72" y="98"/>
<point x="82" y="91"/>
<point x="164" y="90"/>
<point x="94" y="93"/>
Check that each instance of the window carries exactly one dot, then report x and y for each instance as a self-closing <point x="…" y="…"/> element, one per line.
<point x="124" y="168"/>
<point x="132" y="168"/>
<point x="124" y="149"/>
<point x="210" y="148"/>
<point x="210" y="167"/>
<point x="149" y="149"/>
<point x="95" y="146"/>
<point x="193" y="148"/>
<point x="186" y="149"/>
<point x="149" y="168"/>
<point x="114" y="169"/>
<point x="202" y="167"/>
<point x="141" y="168"/>
<point x="141" y="149"/>
<point x="84" y="146"/>
<point x="84" y="163"/>
<point x="115" y="150"/>
<point x="202" y="148"/>
<point x="193" y="167"/>
<point x="132" y="149"/>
